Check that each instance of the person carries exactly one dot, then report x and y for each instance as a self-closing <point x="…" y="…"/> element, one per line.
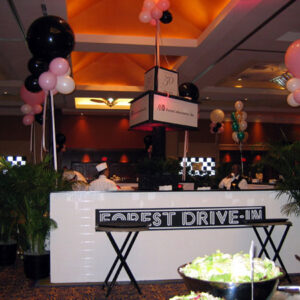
<point x="78" y="181"/>
<point x="102" y="183"/>
<point x="234" y="181"/>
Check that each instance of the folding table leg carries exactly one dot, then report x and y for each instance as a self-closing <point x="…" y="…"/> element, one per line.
<point x="277" y="251"/>
<point x="122" y="262"/>
<point x="116" y="260"/>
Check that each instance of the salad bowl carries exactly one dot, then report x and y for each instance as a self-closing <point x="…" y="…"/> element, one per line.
<point x="197" y="277"/>
<point x="263" y="290"/>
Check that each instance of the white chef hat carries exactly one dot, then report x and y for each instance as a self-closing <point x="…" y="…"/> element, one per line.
<point x="102" y="166"/>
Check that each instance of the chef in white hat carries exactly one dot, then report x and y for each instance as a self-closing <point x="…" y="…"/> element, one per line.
<point x="102" y="183"/>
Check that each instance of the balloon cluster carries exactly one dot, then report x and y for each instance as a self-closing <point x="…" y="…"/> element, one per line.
<point x="292" y="62"/>
<point x="154" y="10"/>
<point x="239" y="124"/>
<point x="50" y="40"/>
<point x="217" y="117"/>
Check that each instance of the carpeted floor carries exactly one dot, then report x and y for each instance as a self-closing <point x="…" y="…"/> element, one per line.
<point x="14" y="285"/>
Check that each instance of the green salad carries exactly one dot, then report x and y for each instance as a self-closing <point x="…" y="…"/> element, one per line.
<point x="196" y="296"/>
<point x="230" y="268"/>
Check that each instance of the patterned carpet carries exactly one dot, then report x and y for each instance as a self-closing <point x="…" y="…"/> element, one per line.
<point x="14" y="285"/>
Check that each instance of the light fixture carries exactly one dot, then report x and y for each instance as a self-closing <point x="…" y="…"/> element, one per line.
<point x="102" y="103"/>
<point x="239" y="86"/>
<point x="282" y="79"/>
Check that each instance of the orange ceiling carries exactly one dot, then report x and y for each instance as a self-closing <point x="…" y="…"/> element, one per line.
<point x="120" y="17"/>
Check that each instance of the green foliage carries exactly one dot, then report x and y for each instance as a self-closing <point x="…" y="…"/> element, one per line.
<point x="8" y="203"/>
<point x="285" y="160"/>
<point x="30" y="186"/>
<point x="169" y="166"/>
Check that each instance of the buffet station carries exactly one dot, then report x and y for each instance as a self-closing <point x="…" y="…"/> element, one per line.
<point x="183" y="225"/>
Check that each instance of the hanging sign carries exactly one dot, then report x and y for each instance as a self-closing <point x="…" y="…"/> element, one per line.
<point x="185" y="218"/>
<point x="157" y="109"/>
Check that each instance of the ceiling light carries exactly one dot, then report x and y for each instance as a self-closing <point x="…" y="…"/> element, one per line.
<point x="102" y="103"/>
<point x="282" y="79"/>
<point x="238" y="86"/>
<point x="239" y="79"/>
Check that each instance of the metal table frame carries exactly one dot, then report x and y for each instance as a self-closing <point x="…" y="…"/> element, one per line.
<point x="122" y="254"/>
<point x="268" y="227"/>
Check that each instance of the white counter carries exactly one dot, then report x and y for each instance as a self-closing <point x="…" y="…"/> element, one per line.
<point x="79" y="254"/>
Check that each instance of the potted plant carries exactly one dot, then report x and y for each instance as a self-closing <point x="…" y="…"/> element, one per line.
<point x="8" y="215"/>
<point x="284" y="158"/>
<point x="32" y="188"/>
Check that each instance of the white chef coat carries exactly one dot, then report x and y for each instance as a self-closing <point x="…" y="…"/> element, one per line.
<point x="226" y="183"/>
<point x="102" y="184"/>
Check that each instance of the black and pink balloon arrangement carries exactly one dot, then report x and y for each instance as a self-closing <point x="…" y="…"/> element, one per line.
<point x="217" y="124"/>
<point x="50" y="39"/>
<point x="154" y="11"/>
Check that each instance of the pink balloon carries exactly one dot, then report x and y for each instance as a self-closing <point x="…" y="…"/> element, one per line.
<point x="26" y="109"/>
<point x="32" y="98"/>
<point x="153" y="22"/>
<point x="28" y="119"/>
<point x="221" y="129"/>
<point x="54" y="92"/>
<point x="292" y="58"/>
<point x="156" y="13"/>
<point x="47" y="81"/>
<point x="145" y="16"/>
<point x="36" y="109"/>
<point x="163" y="4"/>
<point x="296" y="95"/>
<point x="293" y="84"/>
<point x="212" y="124"/>
<point x="59" y="66"/>
<point x="148" y="4"/>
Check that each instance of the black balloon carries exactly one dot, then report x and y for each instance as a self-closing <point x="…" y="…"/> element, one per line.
<point x="166" y="17"/>
<point x="37" y="66"/>
<point x="60" y="139"/>
<point x="49" y="37"/>
<point x="189" y="90"/>
<point x="215" y="129"/>
<point x="39" y="118"/>
<point x="32" y="84"/>
<point x="218" y="125"/>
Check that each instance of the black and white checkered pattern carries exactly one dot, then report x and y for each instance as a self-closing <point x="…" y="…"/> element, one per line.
<point x="208" y="165"/>
<point x="16" y="160"/>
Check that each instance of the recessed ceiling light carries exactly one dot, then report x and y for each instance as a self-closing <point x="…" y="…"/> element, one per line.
<point x="240" y="79"/>
<point x="5" y="92"/>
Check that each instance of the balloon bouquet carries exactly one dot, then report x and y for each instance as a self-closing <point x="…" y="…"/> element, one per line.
<point x="154" y="10"/>
<point x="239" y="124"/>
<point x="217" y="117"/>
<point x="50" y="39"/>
<point x="292" y="62"/>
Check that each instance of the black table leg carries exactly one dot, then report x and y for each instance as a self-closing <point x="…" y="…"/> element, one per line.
<point x="116" y="260"/>
<point x="122" y="262"/>
<point x="277" y="250"/>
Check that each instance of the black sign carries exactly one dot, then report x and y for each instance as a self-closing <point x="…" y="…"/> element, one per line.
<point x="185" y="218"/>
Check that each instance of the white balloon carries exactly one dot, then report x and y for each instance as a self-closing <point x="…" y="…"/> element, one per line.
<point x="244" y="115"/>
<point x="243" y="125"/>
<point x="293" y="84"/>
<point x="65" y="84"/>
<point x="26" y="109"/>
<point x="238" y="105"/>
<point x="235" y="137"/>
<point x="145" y="16"/>
<point x="291" y="101"/>
<point x="217" y="116"/>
